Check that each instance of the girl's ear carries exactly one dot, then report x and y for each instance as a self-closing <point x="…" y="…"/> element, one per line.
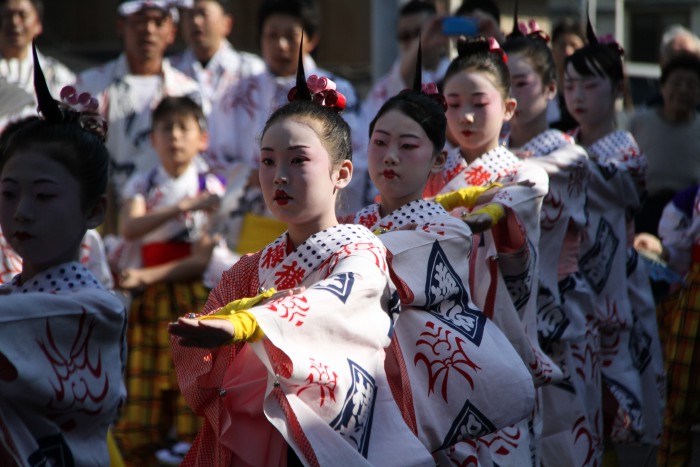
<point x="510" y="104"/>
<point x="550" y="90"/>
<point x="96" y="215"/>
<point x="203" y="141"/>
<point x="343" y="175"/>
<point x="439" y="162"/>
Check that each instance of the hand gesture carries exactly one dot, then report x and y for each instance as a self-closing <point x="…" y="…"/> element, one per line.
<point x="206" y="334"/>
<point x="478" y="222"/>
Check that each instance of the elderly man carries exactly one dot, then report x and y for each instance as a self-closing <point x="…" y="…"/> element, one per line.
<point x="20" y="23"/>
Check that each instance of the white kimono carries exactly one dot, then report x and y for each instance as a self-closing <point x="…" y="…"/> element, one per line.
<point x="316" y="381"/>
<point x="504" y="283"/>
<point x="238" y="118"/>
<point x="224" y="70"/>
<point x="452" y="371"/>
<point x="128" y="112"/>
<point x="567" y="325"/>
<point x="21" y="74"/>
<point x="63" y="349"/>
<point x="630" y="349"/>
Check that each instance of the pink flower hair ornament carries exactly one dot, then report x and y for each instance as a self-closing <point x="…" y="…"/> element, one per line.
<point x="323" y="92"/>
<point x="495" y="48"/>
<point x="533" y="30"/>
<point x="317" y="89"/>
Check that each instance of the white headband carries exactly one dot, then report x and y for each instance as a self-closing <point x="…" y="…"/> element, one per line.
<point x="134" y="6"/>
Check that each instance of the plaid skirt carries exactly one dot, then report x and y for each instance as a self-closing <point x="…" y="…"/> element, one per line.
<point x="155" y="412"/>
<point x="679" y="319"/>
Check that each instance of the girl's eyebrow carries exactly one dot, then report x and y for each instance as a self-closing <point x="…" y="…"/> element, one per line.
<point x="520" y="75"/>
<point x="298" y="146"/>
<point x="402" y="135"/>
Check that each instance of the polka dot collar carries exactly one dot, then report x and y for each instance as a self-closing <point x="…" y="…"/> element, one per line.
<point x="64" y="278"/>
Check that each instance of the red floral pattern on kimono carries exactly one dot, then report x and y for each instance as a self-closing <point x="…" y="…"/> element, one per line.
<point x="449" y="366"/>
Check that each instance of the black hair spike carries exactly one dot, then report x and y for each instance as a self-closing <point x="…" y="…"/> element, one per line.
<point x="48" y="107"/>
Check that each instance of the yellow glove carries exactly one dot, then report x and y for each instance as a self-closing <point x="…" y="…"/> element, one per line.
<point x="464" y="197"/>
<point x="494" y="210"/>
<point x="244" y="323"/>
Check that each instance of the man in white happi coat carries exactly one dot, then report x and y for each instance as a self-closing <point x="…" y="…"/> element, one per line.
<point x="238" y="118"/>
<point x="129" y="87"/>
<point x="20" y="23"/>
<point x="210" y="59"/>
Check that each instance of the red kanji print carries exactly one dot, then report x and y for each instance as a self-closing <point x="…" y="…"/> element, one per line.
<point x="430" y="228"/>
<point x="323" y="378"/>
<point x="477" y="176"/>
<point x="368" y="220"/>
<point x="441" y="351"/>
<point x="387" y="226"/>
<point x="377" y="252"/>
<point x="290" y="276"/>
<point x="273" y="256"/>
<point x="292" y="308"/>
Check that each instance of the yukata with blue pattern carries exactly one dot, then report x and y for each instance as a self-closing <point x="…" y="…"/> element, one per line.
<point x="504" y="279"/>
<point x="315" y="384"/>
<point x="632" y="366"/>
<point x="447" y="363"/>
<point x="567" y="325"/>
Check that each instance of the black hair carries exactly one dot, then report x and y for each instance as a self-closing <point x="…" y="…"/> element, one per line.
<point x="306" y="11"/>
<point x="603" y="60"/>
<point x="474" y="53"/>
<point x="422" y="109"/>
<point x="82" y="152"/>
<point x="183" y="106"/>
<point x="417" y="6"/>
<point x="535" y="48"/>
<point x="567" y="26"/>
<point x="37" y="4"/>
<point x="332" y="130"/>
<point x="488" y="6"/>
<point x="73" y="138"/>
<point x="686" y="61"/>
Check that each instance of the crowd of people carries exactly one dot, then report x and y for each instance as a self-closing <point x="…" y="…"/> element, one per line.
<point x="215" y="258"/>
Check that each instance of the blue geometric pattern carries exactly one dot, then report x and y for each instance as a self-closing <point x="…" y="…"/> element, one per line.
<point x="339" y="285"/>
<point x="448" y="298"/>
<point x="596" y="263"/>
<point x="354" y="422"/>
<point x="470" y="423"/>
<point x="551" y="319"/>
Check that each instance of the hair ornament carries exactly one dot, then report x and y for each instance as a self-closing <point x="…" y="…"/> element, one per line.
<point x="607" y="39"/>
<point x="533" y="30"/>
<point x="79" y="108"/>
<point x="495" y="48"/>
<point x="429" y="89"/>
<point x="317" y="89"/>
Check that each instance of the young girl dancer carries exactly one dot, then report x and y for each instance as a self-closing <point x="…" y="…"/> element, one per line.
<point x="299" y="376"/>
<point x="447" y="361"/>
<point x="62" y="334"/>
<point x="631" y="365"/>
<point x="567" y="326"/>
<point x="504" y="263"/>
